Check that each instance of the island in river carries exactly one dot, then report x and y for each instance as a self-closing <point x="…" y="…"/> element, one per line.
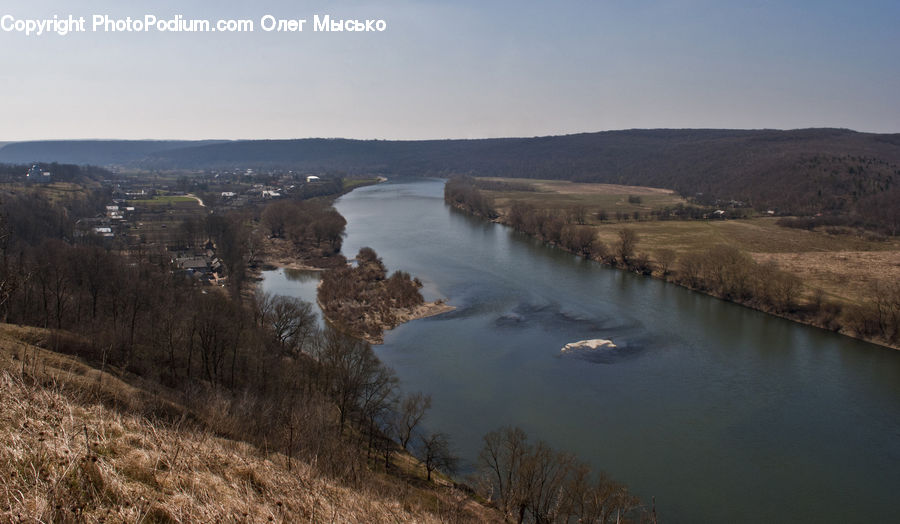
<point x="360" y="299"/>
<point x="363" y="301"/>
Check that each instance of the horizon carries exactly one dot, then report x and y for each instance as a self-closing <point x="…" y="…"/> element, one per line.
<point x="461" y="71"/>
<point x="6" y="142"/>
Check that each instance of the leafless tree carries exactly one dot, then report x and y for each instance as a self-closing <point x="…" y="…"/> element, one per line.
<point x="291" y="321"/>
<point x="666" y="258"/>
<point x="412" y="410"/>
<point x="628" y="239"/>
<point x="435" y="454"/>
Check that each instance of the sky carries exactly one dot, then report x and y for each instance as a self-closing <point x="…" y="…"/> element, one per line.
<point x="454" y="69"/>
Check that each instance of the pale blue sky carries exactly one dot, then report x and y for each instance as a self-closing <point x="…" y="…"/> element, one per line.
<point x="462" y="69"/>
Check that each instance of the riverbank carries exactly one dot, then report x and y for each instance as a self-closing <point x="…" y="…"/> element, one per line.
<point x="402" y="316"/>
<point x="279" y="255"/>
<point x="372" y="304"/>
<point x="718" y="384"/>
<point x="804" y="276"/>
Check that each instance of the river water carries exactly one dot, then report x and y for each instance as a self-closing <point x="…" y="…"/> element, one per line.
<point x="722" y="413"/>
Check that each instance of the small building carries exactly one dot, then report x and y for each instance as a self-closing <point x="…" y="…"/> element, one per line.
<point x="38" y="176"/>
<point x="103" y="231"/>
<point x="312" y="178"/>
<point x="193" y="264"/>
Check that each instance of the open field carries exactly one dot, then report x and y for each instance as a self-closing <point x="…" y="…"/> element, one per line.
<point x="161" y="221"/>
<point x="164" y="200"/>
<point x="565" y="195"/>
<point x="351" y="183"/>
<point x="55" y="192"/>
<point x="842" y="266"/>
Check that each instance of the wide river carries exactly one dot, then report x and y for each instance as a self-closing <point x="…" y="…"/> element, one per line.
<point x="722" y="413"/>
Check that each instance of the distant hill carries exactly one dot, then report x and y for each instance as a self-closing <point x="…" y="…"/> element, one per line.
<point x="96" y="152"/>
<point x="801" y="171"/>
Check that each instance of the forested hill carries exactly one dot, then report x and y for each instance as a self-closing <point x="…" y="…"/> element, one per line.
<point x="95" y="152"/>
<point x="800" y="171"/>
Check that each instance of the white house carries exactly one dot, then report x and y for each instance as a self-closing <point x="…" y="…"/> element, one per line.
<point x="103" y="231"/>
<point x="312" y="178"/>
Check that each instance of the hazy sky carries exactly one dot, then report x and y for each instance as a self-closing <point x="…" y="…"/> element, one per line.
<point x="461" y="69"/>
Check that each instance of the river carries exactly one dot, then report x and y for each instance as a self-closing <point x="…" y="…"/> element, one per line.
<point x="724" y="414"/>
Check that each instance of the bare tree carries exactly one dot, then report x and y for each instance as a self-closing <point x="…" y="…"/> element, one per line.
<point x="291" y="321"/>
<point x="579" y="215"/>
<point x="545" y="485"/>
<point x="7" y="277"/>
<point x="666" y="260"/>
<point x="351" y="367"/>
<point x="502" y="458"/>
<point x="435" y="453"/>
<point x="412" y="411"/>
<point x="625" y="247"/>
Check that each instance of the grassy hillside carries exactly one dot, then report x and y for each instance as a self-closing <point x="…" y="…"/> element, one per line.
<point x="78" y="444"/>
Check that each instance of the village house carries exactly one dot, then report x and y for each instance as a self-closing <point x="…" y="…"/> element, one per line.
<point x="36" y="175"/>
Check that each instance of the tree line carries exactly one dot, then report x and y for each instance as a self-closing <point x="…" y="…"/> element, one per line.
<point x="254" y="367"/>
<point x="798" y="172"/>
<point x="532" y="482"/>
<point x="721" y="270"/>
<point x="86" y="174"/>
<point x="314" y="228"/>
<point x="461" y="192"/>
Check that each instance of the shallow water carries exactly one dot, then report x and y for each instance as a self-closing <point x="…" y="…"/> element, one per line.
<point x="722" y="413"/>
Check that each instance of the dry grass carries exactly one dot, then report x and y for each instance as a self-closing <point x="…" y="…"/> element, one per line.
<point x="842" y="266"/>
<point x="847" y="276"/>
<point x="565" y="195"/>
<point x="54" y="192"/>
<point x="67" y="458"/>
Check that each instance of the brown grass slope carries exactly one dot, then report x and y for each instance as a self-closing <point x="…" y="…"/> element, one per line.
<point x="80" y="445"/>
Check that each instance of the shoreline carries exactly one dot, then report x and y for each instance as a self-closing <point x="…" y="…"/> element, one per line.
<point x="403" y="315"/>
<point x="278" y="255"/>
<point x="786" y="316"/>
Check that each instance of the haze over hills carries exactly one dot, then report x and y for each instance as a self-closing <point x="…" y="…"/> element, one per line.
<point x="798" y="171"/>
<point x="96" y="152"/>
